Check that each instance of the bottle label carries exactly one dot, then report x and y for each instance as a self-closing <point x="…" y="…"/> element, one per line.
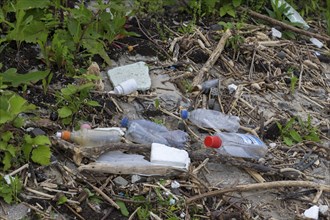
<point x="250" y="139"/>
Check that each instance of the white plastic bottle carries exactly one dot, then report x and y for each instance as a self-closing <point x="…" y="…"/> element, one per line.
<point x="207" y="118"/>
<point x="91" y="137"/>
<point x="237" y="145"/>
<point x="126" y="87"/>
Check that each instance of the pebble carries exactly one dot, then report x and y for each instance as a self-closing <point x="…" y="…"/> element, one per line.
<point x="272" y="145"/>
<point x="135" y="178"/>
<point x="120" y="181"/>
<point x="281" y="55"/>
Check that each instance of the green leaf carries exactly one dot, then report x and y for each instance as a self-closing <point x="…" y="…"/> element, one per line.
<point x="123" y="208"/>
<point x="288" y="141"/>
<point x="237" y="3"/>
<point x="93" y="103"/>
<point x="28" y="4"/>
<point x="313" y="136"/>
<point x="11" y="76"/>
<point x="295" y="136"/>
<point x="41" y="140"/>
<point x="6" y="161"/>
<point x="63" y="199"/>
<point x="6" y="136"/>
<point x="27" y="148"/>
<point x="18" y="122"/>
<point x="41" y="155"/>
<point x="11" y="149"/>
<point x="64" y="112"/>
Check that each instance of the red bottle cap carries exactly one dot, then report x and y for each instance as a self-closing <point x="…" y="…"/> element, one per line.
<point x="213" y="141"/>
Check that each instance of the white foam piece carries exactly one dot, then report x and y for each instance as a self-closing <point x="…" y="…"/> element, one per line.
<point x="170" y="156"/>
<point x="276" y="33"/>
<point x="138" y="71"/>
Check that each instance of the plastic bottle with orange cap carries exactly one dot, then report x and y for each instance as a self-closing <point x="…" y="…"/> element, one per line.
<point x="237" y="145"/>
<point x="91" y="137"/>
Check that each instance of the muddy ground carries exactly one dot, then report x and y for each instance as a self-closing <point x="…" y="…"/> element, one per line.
<point x="259" y="64"/>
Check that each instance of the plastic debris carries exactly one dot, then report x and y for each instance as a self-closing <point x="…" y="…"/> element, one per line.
<point x="312" y="212"/>
<point x="292" y="14"/>
<point x="164" y="155"/>
<point x="276" y="33"/>
<point x="125" y="88"/>
<point x="232" y="88"/>
<point x="207" y="118"/>
<point x="175" y="184"/>
<point x="138" y="71"/>
<point x="323" y="209"/>
<point x="237" y="145"/>
<point x="316" y="42"/>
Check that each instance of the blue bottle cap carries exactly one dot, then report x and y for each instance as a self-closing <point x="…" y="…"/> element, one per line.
<point x="124" y="122"/>
<point x="184" y="114"/>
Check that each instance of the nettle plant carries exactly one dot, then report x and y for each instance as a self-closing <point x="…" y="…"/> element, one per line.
<point x="15" y="149"/>
<point x="63" y="34"/>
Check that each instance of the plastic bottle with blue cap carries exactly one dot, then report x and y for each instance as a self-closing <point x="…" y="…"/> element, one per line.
<point x="207" y="118"/>
<point x="237" y="145"/>
<point x="146" y="132"/>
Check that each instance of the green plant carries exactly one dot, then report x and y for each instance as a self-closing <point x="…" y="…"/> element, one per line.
<point x="296" y="130"/>
<point x="72" y="98"/>
<point x="10" y="189"/>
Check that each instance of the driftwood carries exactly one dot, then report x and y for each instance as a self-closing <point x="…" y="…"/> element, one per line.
<point x="261" y="186"/>
<point x="212" y="59"/>
<point x="287" y="26"/>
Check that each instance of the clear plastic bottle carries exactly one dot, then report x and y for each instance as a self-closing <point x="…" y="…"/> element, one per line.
<point x="147" y="132"/>
<point x="91" y="137"/>
<point x="207" y="118"/>
<point x="237" y="145"/>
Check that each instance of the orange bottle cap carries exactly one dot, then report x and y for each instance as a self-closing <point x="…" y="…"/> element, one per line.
<point x="66" y="135"/>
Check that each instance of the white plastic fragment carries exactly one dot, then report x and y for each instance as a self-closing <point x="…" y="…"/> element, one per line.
<point x="8" y="179"/>
<point x="312" y="212"/>
<point x="323" y="209"/>
<point x="175" y="184"/>
<point x="316" y="42"/>
<point x="232" y="88"/>
<point x="126" y="87"/>
<point x="170" y="156"/>
<point x="292" y="14"/>
<point x="276" y="33"/>
<point x="172" y="201"/>
<point x="272" y="145"/>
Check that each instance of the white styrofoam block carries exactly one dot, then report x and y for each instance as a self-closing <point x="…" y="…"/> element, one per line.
<point x="164" y="155"/>
<point x="138" y="71"/>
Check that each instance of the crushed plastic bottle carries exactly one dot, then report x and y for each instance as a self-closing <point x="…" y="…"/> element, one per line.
<point x="146" y="132"/>
<point x="237" y="145"/>
<point x="207" y="118"/>
<point x="207" y="85"/>
<point x="91" y="137"/>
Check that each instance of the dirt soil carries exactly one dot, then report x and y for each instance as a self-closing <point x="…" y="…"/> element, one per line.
<point x="260" y="65"/>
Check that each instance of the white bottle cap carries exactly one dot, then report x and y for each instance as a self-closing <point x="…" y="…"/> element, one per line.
<point x="58" y="134"/>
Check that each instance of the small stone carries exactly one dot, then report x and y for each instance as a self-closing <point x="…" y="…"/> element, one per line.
<point x="281" y="55"/>
<point x="232" y="88"/>
<point x="135" y="178"/>
<point x="120" y="181"/>
<point x="312" y="212"/>
<point x="37" y="132"/>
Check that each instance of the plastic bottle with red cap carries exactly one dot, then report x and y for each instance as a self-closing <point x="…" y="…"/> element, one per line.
<point x="207" y="118"/>
<point x="91" y="137"/>
<point x="237" y="145"/>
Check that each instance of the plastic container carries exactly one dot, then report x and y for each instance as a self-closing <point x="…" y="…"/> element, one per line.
<point x="207" y="118"/>
<point x="237" y="145"/>
<point x="126" y="87"/>
<point x="91" y="137"/>
<point x="146" y="132"/>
